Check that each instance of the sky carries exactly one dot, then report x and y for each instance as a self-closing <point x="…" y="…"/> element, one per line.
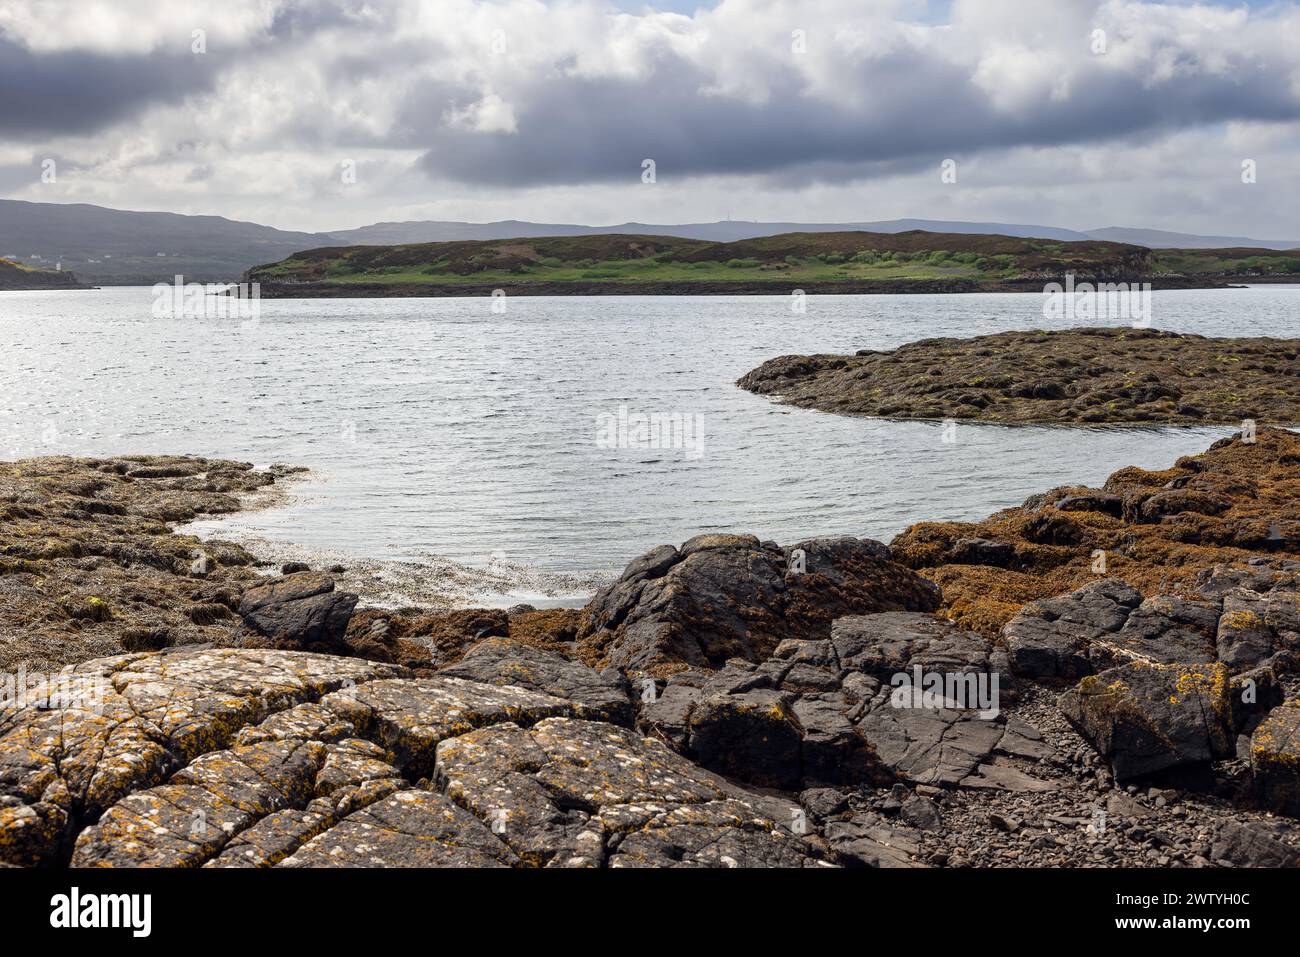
<point x="330" y="114"/>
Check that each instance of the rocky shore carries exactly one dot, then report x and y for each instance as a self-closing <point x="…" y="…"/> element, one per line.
<point x="1102" y="677"/>
<point x="1075" y="376"/>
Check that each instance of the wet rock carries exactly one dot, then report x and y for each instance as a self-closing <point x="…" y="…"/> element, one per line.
<point x="300" y="612"/>
<point x="730" y="596"/>
<point x="601" y="696"/>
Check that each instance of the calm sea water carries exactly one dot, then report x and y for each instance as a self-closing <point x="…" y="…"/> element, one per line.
<point x="437" y="427"/>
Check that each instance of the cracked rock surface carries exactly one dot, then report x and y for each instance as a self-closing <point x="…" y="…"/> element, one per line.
<point x="246" y="757"/>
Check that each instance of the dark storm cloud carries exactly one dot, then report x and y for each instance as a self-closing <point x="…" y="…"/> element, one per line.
<point x="81" y="92"/>
<point x="573" y="130"/>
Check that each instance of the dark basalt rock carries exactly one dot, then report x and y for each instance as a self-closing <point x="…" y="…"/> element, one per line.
<point x="731" y="596"/>
<point x="299" y="612"/>
<point x="1275" y="758"/>
<point x="1254" y="845"/>
<point x="1051" y="638"/>
<point x="824" y="712"/>
<point x="891" y="642"/>
<point x="1145" y="718"/>
<point x="600" y="696"/>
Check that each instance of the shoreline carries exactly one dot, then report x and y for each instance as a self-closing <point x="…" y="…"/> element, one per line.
<point x="434" y="582"/>
<point x="760" y="673"/>
<point x="737" y="287"/>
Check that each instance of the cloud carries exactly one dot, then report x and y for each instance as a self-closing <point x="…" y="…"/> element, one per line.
<point x="784" y="100"/>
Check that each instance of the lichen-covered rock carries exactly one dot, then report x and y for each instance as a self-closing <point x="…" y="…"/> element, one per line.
<point x="1145" y="717"/>
<point x="411" y="716"/>
<point x="732" y="596"/>
<point x="259" y="758"/>
<point x="1275" y="758"/>
<point x="409" y="828"/>
<point x="133" y="720"/>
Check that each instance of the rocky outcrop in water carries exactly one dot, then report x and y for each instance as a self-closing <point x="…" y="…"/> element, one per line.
<point x="1088" y="376"/>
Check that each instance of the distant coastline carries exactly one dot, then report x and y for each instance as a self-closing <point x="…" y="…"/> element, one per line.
<point x="846" y="263"/>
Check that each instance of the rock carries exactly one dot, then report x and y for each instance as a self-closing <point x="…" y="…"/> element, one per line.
<point x="1051" y="638"/>
<point x="1254" y="845"/>
<point x="981" y="551"/>
<point x="1275" y="758"/>
<point x="1256" y="626"/>
<point x="1003" y="822"/>
<point x="890" y="643"/>
<point x="824" y="802"/>
<point x="938" y="746"/>
<point x="1107" y="623"/>
<point x="500" y="661"/>
<point x="289" y="568"/>
<point x="1121" y="807"/>
<point x="1145" y="717"/>
<point x="753" y="736"/>
<point x="730" y="596"/>
<point x="921" y="813"/>
<point x="258" y="758"/>
<point x="816" y="714"/>
<point x="867" y="840"/>
<point x="1103" y="502"/>
<point x="299" y="612"/>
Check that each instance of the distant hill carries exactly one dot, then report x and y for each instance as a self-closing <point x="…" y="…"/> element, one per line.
<point x="1160" y="239"/>
<point x="17" y="276"/>
<point x="111" y="246"/>
<point x="116" y="246"/>
<point x="726" y="231"/>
